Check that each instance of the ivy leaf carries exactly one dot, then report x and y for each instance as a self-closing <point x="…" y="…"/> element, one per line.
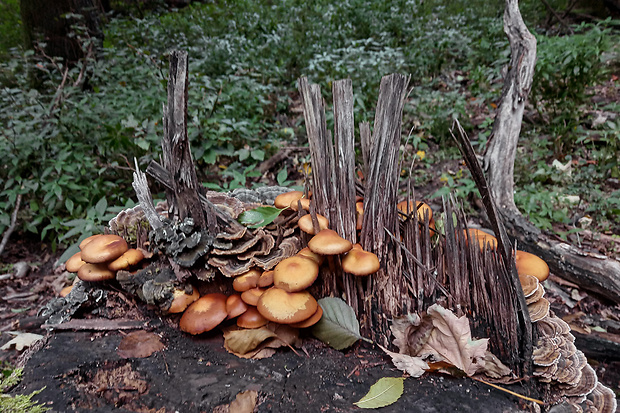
<point x="385" y="391"/>
<point x="338" y="327"/>
<point x="259" y="217"/>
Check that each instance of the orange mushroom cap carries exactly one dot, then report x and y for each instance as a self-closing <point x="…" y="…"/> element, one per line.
<point x="104" y="248"/>
<point x="246" y="280"/>
<point x="305" y="204"/>
<point x="235" y="306"/>
<point x="284" y="200"/>
<point x="181" y="300"/>
<point x="87" y="240"/>
<point x="360" y="262"/>
<point x="204" y="314"/>
<point x="283" y="307"/>
<point x="407" y="207"/>
<point x="482" y="237"/>
<point x="74" y="263"/>
<point x="305" y="223"/>
<point x="266" y="279"/>
<point x="129" y="258"/>
<point x="328" y="242"/>
<point x="530" y="264"/>
<point x="95" y="272"/>
<point x="251" y="319"/>
<point x="251" y="296"/>
<point x="312" y="320"/>
<point x="295" y="273"/>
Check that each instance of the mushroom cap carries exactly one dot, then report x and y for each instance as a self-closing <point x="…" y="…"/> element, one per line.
<point x="539" y="309"/>
<point x="283" y="307"/>
<point x="204" y="314"/>
<point x="482" y="237"/>
<point x="65" y="291"/>
<point x="407" y="207"/>
<point x="314" y="318"/>
<point x="305" y="223"/>
<point x="295" y="273"/>
<point x="95" y="272"/>
<point x="87" y="240"/>
<point x="359" y="215"/>
<point x="529" y="284"/>
<point x="246" y="280"/>
<point x="307" y="253"/>
<point x="235" y="306"/>
<point x="266" y="279"/>
<point x="251" y="296"/>
<point x="284" y="200"/>
<point x="181" y="300"/>
<point x="129" y="258"/>
<point x="251" y="319"/>
<point x="528" y="264"/>
<point x="104" y="248"/>
<point x="74" y="263"/>
<point x="360" y="262"/>
<point x="305" y="204"/>
<point x="328" y="242"/>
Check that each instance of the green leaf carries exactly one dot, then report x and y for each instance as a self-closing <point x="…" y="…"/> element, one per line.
<point x="259" y="217"/>
<point x="386" y="391"/>
<point x="338" y="327"/>
<point x="101" y="206"/>
<point x="258" y="155"/>
<point x="281" y="177"/>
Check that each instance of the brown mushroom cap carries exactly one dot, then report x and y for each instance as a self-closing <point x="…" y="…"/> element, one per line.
<point x="87" y="240"/>
<point x="314" y="318"/>
<point x="204" y="314"/>
<point x="104" y="248"/>
<point x="283" y="307"/>
<point x="482" y="237"/>
<point x="65" y="291"/>
<point x="284" y="200"/>
<point x="266" y="279"/>
<point x="246" y="280"/>
<point x="235" y="306"/>
<point x="359" y="215"/>
<point x="328" y="242"/>
<point x="305" y="252"/>
<point x="527" y="264"/>
<point x="305" y="223"/>
<point x="305" y="204"/>
<point x="295" y="273"/>
<point x="129" y="258"/>
<point x="407" y="207"/>
<point x="251" y="319"/>
<point x="360" y="262"/>
<point x="181" y="300"/>
<point x="252" y="295"/>
<point x="74" y="263"/>
<point x="95" y="272"/>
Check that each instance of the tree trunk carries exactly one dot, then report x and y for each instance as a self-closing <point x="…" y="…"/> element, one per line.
<point x="592" y="272"/>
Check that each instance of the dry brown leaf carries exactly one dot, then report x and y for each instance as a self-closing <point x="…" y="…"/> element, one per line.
<point x="414" y="366"/>
<point x="245" y="402"/>
<point x="242" y="341"/>
<point x="493" y="367"/>
<point x="285" y="335"/>
<point x="451" y="339"/>
<point x="139" y="344"/>
<point x="411" y="333"/>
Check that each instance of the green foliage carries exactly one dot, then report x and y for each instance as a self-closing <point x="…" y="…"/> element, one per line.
<point x="10" y="26"/>
<point x="21" y="403"/>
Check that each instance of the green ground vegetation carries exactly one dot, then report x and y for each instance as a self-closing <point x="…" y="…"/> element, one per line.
<point x="68" y="144"/>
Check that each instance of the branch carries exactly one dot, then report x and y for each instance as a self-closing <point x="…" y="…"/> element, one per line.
<point x="11" y="228"/>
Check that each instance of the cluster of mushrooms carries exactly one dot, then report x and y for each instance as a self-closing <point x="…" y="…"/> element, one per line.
<point x="556" y="359"/>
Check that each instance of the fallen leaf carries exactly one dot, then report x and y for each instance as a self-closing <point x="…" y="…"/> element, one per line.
<point x="243" y="341"/>
<point x="338" y="327"/>
<point x="414" y="366"/>
<point x="451" y="339"/>
<point x="385" y="391"/>
<point x="139" y="344"/>
<point x="245" y="402"/>
<point x="21" y="341"/>
<point x="493" y="367"/>
<point x="411" y="333"/>
<point x="259" y="217"/>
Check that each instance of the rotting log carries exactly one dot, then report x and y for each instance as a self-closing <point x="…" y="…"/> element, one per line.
<point x="593" y="272"/>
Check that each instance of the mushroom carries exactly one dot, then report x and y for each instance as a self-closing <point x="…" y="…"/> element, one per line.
<point x="359" y="262"/>
<point x="328" y="242"/>
<point x="529" y="284"/>
<point x="305" y="223"/>
<point x="181" y="300"/>
<point x="359" y="215"/>
<point x="305" y="252"/>
<point x="65" y="291"/>
<point x="87" y="240"/>
<point x="314" y="318"/>
<point x="251" y="319"/>
<point x="204" y="314"/>
<point x="74" y="263"/>
<point x="235" y="306"/>
<point x="129" y="258"/>
<point x="95" y="272"/>
<point x="295" y="273"/>
<point x="283" y="307"/>
<point x="104" y="248"/>
<point x="266" y="279"/>
<point x="284" y="200"/>
<point x="530" y="264"/>
<point x="303" y="202"/>
<point x="603" y="398"/>
<point x="482" y="237"/>
<point x="407" y="207"/>
<point x="246" y="280"/>
<point x="252" y="295"/>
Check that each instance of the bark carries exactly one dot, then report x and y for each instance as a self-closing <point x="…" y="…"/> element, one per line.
<point x="595" y="273"/>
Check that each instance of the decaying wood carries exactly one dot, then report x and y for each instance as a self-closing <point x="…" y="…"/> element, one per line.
<point x="595" y="273"/>
<point x="12" y="225"/>
<point x="143" y="193"/>
<point x="177" y="157"/>
<point x="98" y="324"/>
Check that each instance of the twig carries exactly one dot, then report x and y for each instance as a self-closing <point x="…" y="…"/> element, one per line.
<point x="11" y="228"/>
<point x="509" y="391"/>
<point x="557" y="16"/>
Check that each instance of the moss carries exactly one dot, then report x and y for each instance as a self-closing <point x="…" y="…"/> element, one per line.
<point x="21" y="403"/>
